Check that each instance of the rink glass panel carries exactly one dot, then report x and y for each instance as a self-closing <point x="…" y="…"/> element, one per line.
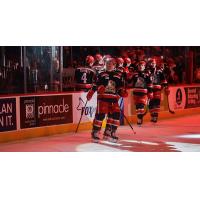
<point x="42" y="68"/>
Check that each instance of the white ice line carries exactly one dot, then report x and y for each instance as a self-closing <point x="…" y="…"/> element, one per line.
<point x="140" y="142"/>
<point x="96" y="147"/>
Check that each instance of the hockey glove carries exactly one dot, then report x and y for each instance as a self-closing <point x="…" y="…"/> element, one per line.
<point x="150" y="95"/>
<point x="126" y="70"/>
<point x="129" y="76"/>
<point x="101" y="89"/>
<point x="90" y="94"/>
<point x="123" y="93"/>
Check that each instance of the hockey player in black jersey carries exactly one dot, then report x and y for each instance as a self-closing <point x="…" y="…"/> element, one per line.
<point x="109" y="87"/>
<point x="142" y="90"/>
<point x="123" y="68"/>
<point x="120" y="64"/>
<point x="85" y="76"/>
<point x="159" y="82"/>
<point x="127" y="63"/>
<point x="98" y="65"/>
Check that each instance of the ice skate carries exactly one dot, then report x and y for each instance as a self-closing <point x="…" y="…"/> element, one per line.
<point x="113" y="138"/>
<point x="107" y="134"/>
<point x="139" y="122"/>
<point x="154" y="119"/>
<point x="95" y="137"/>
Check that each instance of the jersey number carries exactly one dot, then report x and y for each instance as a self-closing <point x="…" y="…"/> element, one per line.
<point x="84" y="78"/>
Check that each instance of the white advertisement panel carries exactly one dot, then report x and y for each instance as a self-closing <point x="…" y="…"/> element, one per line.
<point x="79" y="101"/>
<point x="177" y="98"/>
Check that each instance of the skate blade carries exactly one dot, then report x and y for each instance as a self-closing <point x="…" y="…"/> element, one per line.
<point x="113" y="140"/>
<point x="95" y="141"/>
<point x="105" y="138"/>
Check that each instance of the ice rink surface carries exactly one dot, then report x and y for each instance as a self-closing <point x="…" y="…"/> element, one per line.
<point x="171" y="135"/>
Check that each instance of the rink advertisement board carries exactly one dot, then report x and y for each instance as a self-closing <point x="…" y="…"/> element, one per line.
<point x="193" y="97"/>
<point x="79" y="102"/>
<point x="53" y="110"/>
<point x="184" y="97"/>
<point x="45" y="110"/>
<point x="177" y="98"/>
<point x="28" y="112"/>
<point x="8" y="114"/>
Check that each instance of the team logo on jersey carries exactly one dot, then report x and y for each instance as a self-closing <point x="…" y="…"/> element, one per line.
<point x="155" y="79"/>
<point x="111" y="87"/>
<point x="140" y="82"/>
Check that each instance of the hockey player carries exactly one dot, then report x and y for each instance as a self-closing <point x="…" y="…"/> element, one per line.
<point x="120" y="65"/>
<point x="122" y="70"/>
<point x="127" y="72"/>
<point x="142" y="90"/>
<point x="133" y="65"/>
<point x="109" y="87"/>
<point x="159" y="82"/>
<point x="85" y="76"/>
<point x="98" y="64"/>
<point x="127" y="62"/>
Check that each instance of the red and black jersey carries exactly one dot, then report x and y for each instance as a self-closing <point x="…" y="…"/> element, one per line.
<point x="133" y="66"/>
<point x="125" y="74"/>
<point x="84" y="77"/>
<point x="112" y="81"/>
<point x="98" y="68"/>
<point x="120" y="69"/>
<point x="158" y="80"/>
<point x="142" y="84"/>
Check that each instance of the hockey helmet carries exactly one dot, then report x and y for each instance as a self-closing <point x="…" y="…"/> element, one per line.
<point x="127" y="61"/>
<point x="89" y="60"/>
<point x="105" y="58"/>
<point x="152" y="62"/>
<point x="120" y="61"/>
<point x="98" y="57"/>
<point x="141" y="65"/>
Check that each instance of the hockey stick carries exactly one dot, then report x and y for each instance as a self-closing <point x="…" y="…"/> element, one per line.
<point x="128" y="122"/>
<point x="124" y="115"/>
<point x="81" y="116"/>
<point x="146" y="108"/>
<point x="171" y="111"/>
<point x="126" y="118"/>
